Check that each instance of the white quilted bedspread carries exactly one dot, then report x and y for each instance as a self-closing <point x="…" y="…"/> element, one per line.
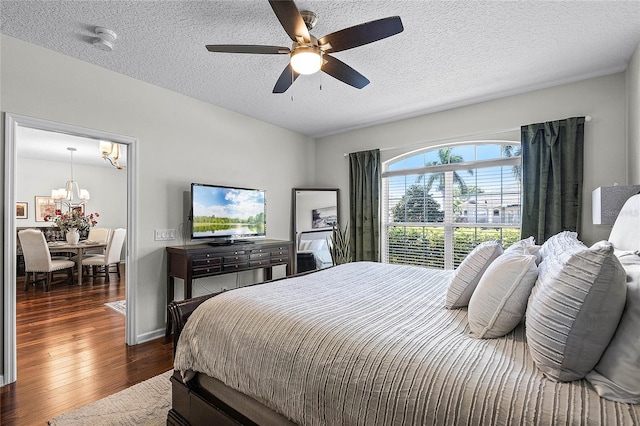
<point x="372" y="344"/>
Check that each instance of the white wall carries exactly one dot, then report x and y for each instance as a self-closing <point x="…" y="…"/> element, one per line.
<point x="181" y="140"/>
<point x="633" y="117"/>
<point x="106" y="185"/>
<point x="604" y="99"/>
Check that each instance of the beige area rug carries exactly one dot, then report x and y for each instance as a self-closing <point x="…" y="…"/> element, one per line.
<point x="146" y="403"/>
<point x="120" y="306"/>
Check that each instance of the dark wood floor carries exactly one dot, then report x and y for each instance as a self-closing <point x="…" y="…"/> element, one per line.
<point x="72" y="351"/>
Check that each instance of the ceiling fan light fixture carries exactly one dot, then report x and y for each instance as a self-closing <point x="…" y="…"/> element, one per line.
<point x="309" y="54"/>
<point x="306" y="59"/>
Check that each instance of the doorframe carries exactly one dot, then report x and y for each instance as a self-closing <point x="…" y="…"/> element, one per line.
<point x="12" y="123"/>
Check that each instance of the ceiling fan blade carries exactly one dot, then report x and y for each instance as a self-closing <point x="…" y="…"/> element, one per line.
<point x="359" y="35"/>
<point x="291" y="20"/>
<point x="285" y="80"/>
<point x="248" y="48"/>
<point x="343" y="72"/>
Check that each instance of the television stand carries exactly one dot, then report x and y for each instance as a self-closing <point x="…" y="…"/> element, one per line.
<point x="228" y="243"/>
<point x="204" y="260"/>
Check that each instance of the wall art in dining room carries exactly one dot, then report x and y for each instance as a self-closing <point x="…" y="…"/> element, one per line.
<point x="45" y="206"/>
<point x="22" y="210"/>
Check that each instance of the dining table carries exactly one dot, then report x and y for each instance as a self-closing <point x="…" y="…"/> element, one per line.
<point x="79" y="249"/>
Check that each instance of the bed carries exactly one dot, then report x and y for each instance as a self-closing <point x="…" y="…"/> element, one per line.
<point x="373" y="344"/>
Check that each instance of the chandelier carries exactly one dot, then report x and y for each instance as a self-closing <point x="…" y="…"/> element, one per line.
<point x="111" y="152"/>
<point x="68" y="195"/>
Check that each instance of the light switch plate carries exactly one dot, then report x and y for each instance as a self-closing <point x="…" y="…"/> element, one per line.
<point x="165" y="234"/>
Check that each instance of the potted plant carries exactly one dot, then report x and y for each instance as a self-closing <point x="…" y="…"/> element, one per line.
<point x="72" y="223"/>
<point x="340" y="245"/>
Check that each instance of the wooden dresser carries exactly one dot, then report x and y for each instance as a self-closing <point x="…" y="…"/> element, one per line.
<point x="202" y="260"/>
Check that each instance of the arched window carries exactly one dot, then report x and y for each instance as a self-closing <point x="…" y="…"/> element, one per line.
<point x="439" y="203"/>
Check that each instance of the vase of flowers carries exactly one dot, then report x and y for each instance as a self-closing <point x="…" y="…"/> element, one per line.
<point x="72" y="223"/>
<point x="72" y="235"/>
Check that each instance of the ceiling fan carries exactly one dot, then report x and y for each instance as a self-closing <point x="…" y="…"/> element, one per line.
<point x="310" y="54"/>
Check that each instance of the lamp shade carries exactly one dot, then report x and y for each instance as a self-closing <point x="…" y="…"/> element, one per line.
<point x="607" y="201"/>
<point x="306" y="60"/>
<point x="106" y="148"/>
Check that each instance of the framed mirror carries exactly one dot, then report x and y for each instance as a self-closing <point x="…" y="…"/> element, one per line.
<point x="315" y="213"/>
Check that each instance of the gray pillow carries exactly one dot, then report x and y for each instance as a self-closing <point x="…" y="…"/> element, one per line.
<point x="574" y="308"/>
<point x="617" y="375"/>
<point x="499" y="302"/>
<point x="467" y="275"/>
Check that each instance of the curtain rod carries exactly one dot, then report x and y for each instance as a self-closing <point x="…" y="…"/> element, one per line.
<point x="587" y="118"/>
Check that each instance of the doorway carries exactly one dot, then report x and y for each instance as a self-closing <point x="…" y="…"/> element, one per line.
<point x="13" y="124"/>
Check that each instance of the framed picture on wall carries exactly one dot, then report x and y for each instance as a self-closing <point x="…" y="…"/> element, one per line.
<point x="22" y="210"/>
<point x="45" y="206"/>
<point x="78" y="209"/>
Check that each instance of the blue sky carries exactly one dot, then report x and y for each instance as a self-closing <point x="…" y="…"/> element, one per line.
<point x="467" y="152"/>
<point x="227" y="202"/>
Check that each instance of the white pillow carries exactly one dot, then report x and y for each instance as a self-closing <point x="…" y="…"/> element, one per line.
<point x="525" y="246"/>
<point x="559" y="243"/>
<point x="304" y="245"/>
<point x="499" y="302"/>
<point x="467" y="275"/>
<point x="574" y="309"/>
<point x="317" y="245"/>
<point x="520" y="246"/>
<point x="617" y="374"/>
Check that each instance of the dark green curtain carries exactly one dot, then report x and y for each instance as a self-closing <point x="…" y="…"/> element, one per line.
<point x="364" y="201"/>
<point x="552" y="170"/>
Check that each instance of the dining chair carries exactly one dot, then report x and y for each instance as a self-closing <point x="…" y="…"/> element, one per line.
<point x="110" y="257"/>
<point x="98" y="235"/>
<point x="37" y="259"/>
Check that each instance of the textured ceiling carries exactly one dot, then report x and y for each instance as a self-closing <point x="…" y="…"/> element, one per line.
<point x="451" y="53"/>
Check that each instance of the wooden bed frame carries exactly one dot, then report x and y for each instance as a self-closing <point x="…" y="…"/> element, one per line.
<point x="192" y="405"/>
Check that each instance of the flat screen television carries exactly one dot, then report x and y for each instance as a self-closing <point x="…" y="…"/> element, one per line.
<point x="225" y="214"/>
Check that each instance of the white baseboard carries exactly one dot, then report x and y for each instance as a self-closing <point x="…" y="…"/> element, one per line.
<point x="2" y="383"/>
<point x="151" y="335"/>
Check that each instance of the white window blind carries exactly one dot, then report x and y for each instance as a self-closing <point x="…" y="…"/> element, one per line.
<point x="439" y="204"/>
